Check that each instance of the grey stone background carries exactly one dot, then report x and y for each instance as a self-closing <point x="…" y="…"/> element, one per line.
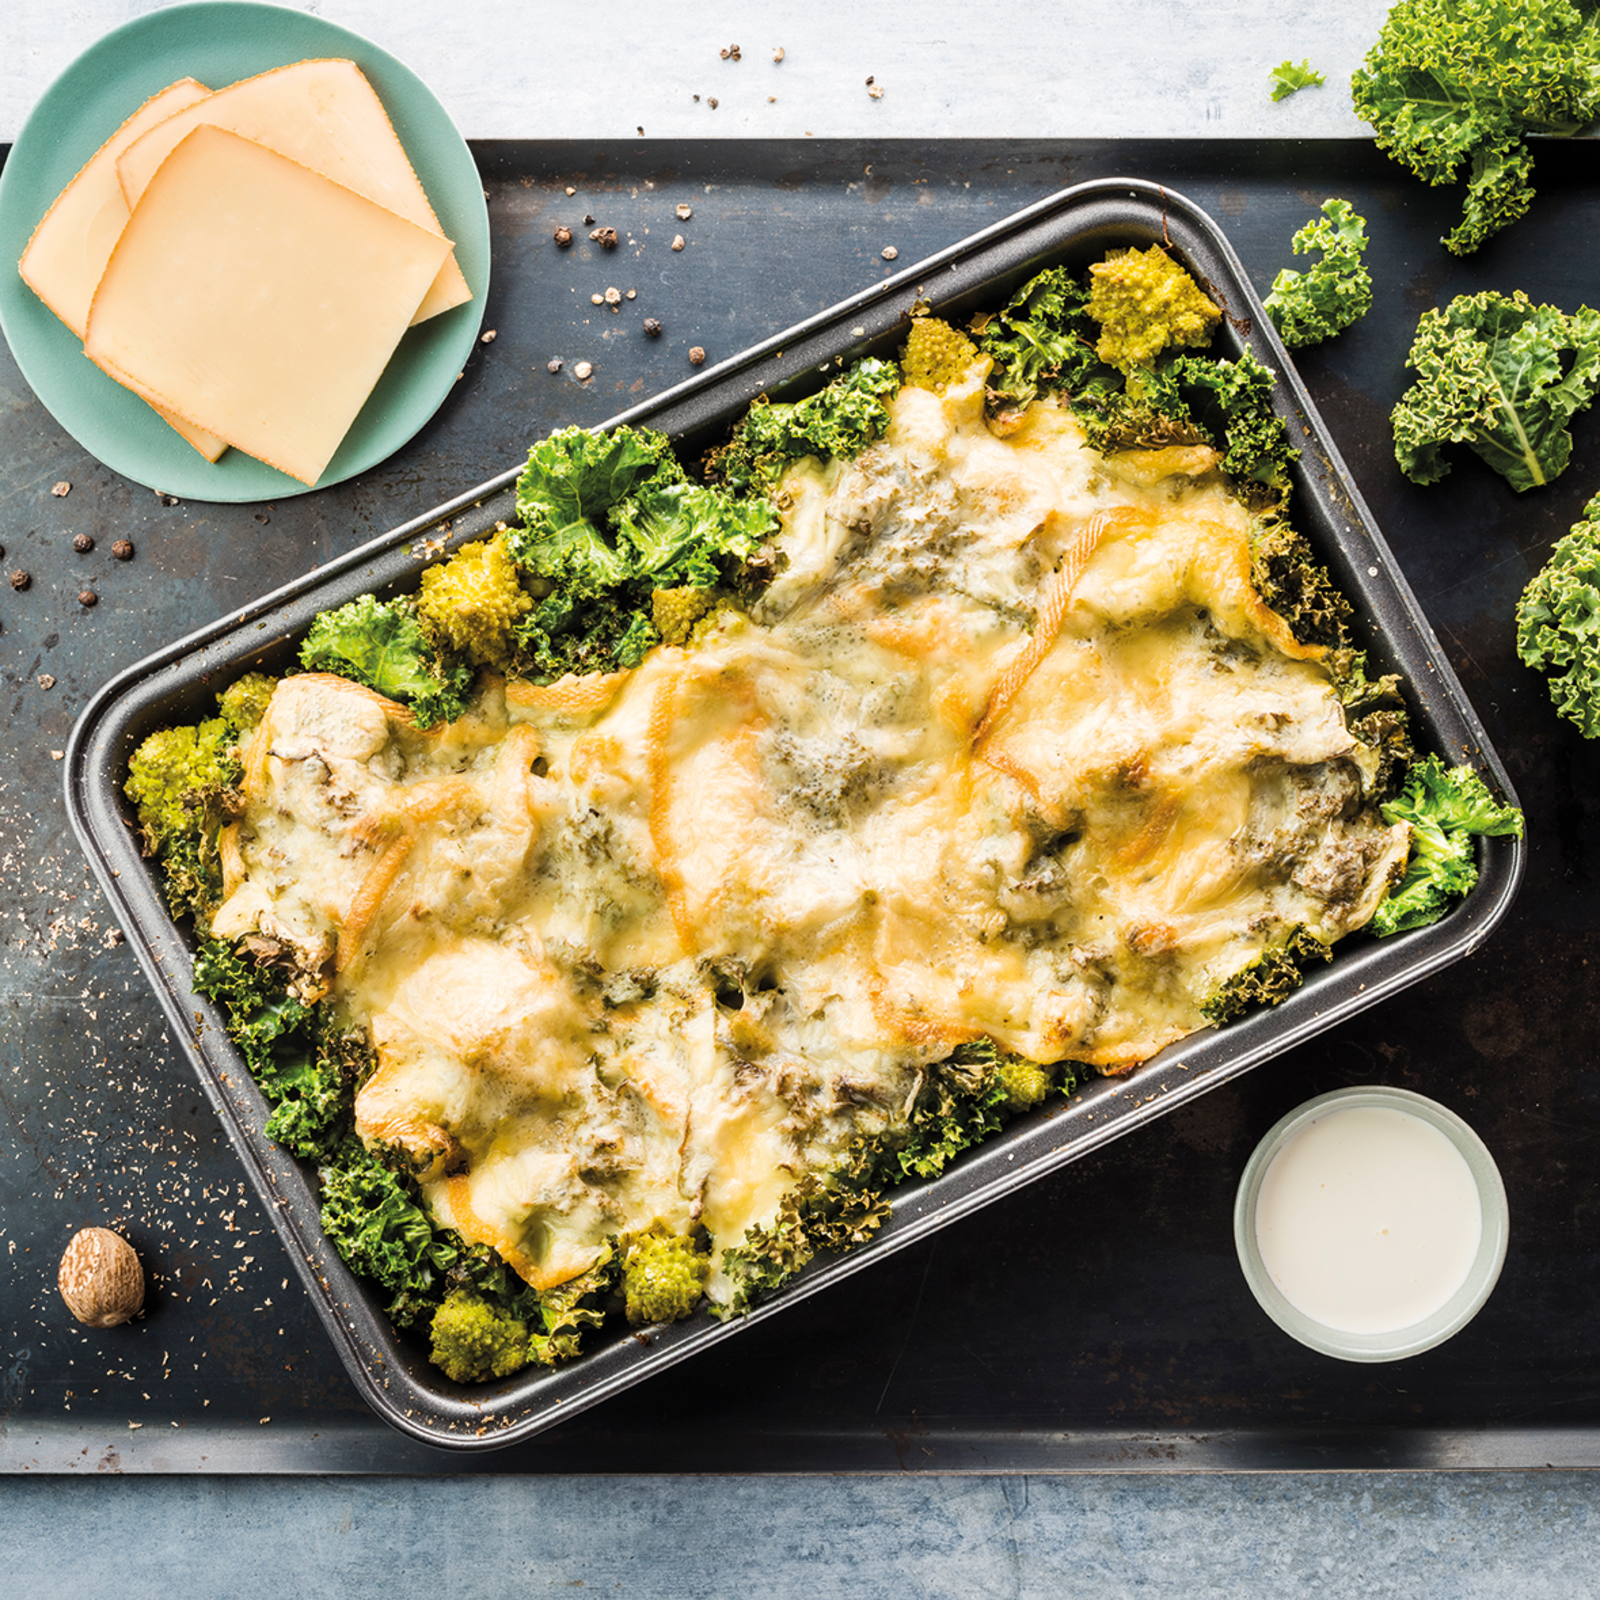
<point x="1063" y="68"/>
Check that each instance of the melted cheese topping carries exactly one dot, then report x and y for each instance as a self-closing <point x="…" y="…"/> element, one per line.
<point x="1010" y="748"/>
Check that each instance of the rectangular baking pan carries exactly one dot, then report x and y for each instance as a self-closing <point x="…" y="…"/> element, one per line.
<point x="177" y="684"/>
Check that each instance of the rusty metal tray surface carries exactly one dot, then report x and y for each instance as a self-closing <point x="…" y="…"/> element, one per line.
<point x="1074" y="226"/>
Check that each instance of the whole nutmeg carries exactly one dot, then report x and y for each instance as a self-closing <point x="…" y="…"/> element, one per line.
<point x="101" y="1279"/>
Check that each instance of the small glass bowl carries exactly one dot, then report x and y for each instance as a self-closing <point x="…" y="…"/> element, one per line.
<point x="1457" y="1311"/>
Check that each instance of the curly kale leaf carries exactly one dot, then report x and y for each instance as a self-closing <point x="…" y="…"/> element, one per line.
<point x="1446" y="808"/>
<point x="372" y="1217"/>
<point x="676" y="535"/>
<point x="1288" y="79"/>
<point x="964" y="1099"/>
<point x="1268" y="980"/>
<point x="572" y="481"/>
<point x="1558" y="622"/>
<point x="563" y="1315"/>
<point x="1462" y="82"/>
<point x="607" y="521"/>
<point x="1503" y="376"/>
<point x="1308" y="307"/>
<point x="380" y="643"/>
<point x="838" y="421"/>
<point x="1043" y="339"/>
<point x="1232" y="400"/>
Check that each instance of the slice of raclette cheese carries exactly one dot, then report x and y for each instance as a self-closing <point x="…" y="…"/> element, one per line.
<point x="326" y="116"/>
<point x="258" y="299"/>
<point x="70" y="247"/>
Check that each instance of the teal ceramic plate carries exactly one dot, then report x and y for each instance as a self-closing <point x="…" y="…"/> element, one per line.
<point x="219" y="43"/>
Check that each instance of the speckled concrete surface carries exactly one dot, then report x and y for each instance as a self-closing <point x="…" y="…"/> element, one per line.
<point x="539" y="69"/>
<point x="1205" y="1538"/>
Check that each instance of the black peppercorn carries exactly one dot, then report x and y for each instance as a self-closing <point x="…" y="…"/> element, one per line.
<point x="87" y="597"/>
<point x="652" y="328"/>
<point x="122" y="550"/>
<point x="20" y="579"/>
<point x="563" y="236"/>
<point x="82" y="543"/>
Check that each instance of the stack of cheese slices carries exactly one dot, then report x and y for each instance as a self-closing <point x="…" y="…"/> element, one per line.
<point x="248" y="260"/>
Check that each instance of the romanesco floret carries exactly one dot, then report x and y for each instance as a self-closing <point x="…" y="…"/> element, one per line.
<point x="675" y="611"/>
<point x="1145" y="302"/>
<point x="243" y="704"/>
<point x="471" y="603"/>
<point x="663" y="1276"/>
<point x="935" y="354"/>
<point x="473" y="1342"/>
<point x="1025" y="1083"/>
<point x="175" y="763"/>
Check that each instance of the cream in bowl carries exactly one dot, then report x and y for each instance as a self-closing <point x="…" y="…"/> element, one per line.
<point x="1371" y="1224"/>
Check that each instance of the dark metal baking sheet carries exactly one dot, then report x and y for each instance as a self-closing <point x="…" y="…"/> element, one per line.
<point x="1112" y="1281"/>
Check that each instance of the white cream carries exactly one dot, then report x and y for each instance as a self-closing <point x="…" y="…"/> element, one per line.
<point x="1368" y="1220"/>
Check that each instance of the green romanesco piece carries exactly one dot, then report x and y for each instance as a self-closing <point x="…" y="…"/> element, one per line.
<point x="170" y="767"/>
<point x="663" y="1276"/>
<point x="935" y="354"/>
<point x="242" y="705"/>
<point x="676" y="611"/>
<point x="1024" y="1083"/>
<point x="1146" y="303"/>
<point x="474" y="1342"/>
<point x="472" y="602"/>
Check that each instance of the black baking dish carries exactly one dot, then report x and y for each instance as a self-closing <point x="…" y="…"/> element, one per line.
<point x="176" y="684"/>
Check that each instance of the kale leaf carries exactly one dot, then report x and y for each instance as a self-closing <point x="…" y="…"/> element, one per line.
<point x="1308" y="307"/>
<point x="607" y="521"/>
<point x="840" y="420"/>
<point x="1558" y="622"/>
<point x="381" y="644"/>
<point x="1042" y="339"/>
<point x="1453" y="82"/>
<point x="1502" y="375"/>
<point x="1445" y="808"/>
<point x="1287" y="78"/>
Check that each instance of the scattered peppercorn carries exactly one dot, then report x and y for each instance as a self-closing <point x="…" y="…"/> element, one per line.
<point x="640" y="132"/>
<point x="263" y="518"/>
<point x="777" y="55"/>
<point x="20" y="579"/>
<point x="82" y="543"/>
<point x="697" y="357"/>
<point x="564" y="234"/>
<point x="889" y="252"/>
<point x="122" y="550"/>
<point x="712" y="103"/>
<point x="47" y="680"/>
<point x="488" y="338"/>
<point x="588" y="221"/>
<point x="677" y="241"/>
<point x="613" y="298"/>
<point x="582" y="371"/>
<point x="597" y="299"/>
<point x="571" y="190"/>
<point x="87" y="598"/>
<point x="652" y="328"/>
<point x="876" y="92"/>
<point x="632" y="294"/>
<point x="2" y="552"/>
<point x="553" y="365"/>
<point x="606" y="238"/>
<point x="60" y="490"/>
<point x="731" y="53"/>
<point x="684" y="213"/>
